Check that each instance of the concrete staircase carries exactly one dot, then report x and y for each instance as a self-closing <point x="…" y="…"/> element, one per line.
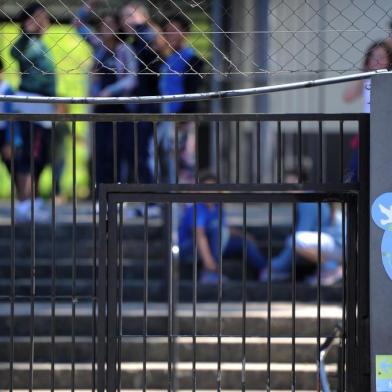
<point x="68" y="362"/>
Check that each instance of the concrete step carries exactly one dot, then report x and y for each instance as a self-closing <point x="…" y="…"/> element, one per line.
<point x="133" y="290"/>
<point x="132" y="268"/>
<point x="83" y="231"/>
<point x="207" y="325"/>
<point x="231" y="375"/>
<point x="131" y="248"/>
<point x="132" y="348"/>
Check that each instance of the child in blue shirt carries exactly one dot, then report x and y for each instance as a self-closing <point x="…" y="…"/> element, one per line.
<point x="207" y="239"/>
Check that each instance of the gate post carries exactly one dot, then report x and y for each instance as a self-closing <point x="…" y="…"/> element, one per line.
<point x="380" y="233"/>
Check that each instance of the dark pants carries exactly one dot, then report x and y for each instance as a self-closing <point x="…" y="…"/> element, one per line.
<point x="39" y="150"/>
<point x="233" y="248"/>
<point x="123" y="159"/>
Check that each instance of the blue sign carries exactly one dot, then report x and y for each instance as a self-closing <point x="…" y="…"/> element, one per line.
<point x="382" y="217"/>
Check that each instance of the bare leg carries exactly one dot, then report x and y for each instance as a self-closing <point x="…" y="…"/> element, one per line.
<point x="23" y="186"/>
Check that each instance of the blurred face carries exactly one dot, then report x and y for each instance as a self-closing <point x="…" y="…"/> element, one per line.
<point x="378" y="59"/>
<point x="132" y="17"/>
<point x="174" y="36"/>
<point x="108" y="26"/>
<point x="38" y="22"/>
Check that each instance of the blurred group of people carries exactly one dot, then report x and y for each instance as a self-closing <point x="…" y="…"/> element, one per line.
<point x="132" y="56"/>
<point x="316" y="242"/>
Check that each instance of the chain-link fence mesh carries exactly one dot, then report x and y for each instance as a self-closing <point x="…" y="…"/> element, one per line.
<point x="234" y="39"/>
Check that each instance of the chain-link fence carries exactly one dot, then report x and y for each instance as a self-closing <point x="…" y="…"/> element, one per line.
<point x="232" y="38"/>
<point x="127" y="48"/>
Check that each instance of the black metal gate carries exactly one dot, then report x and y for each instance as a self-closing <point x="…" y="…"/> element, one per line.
<point x="352" y="364"/>
<point x="157" y="326"/>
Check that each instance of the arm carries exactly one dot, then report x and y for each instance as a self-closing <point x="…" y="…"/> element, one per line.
<point x="127" y="73"/>
<point x="17" y="51"/>
<point x="353" y="91"/>
<point x="82" y="27"/>
<point x="204" y="250"/>
<point x="192" y="83"/>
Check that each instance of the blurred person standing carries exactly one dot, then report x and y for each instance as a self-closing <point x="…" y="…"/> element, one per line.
<point x="38" y="78"/>
<point x="113" y="74"/>
<point x="179" y="75"/>
<point x="5" y="126"/>
<point x="141" y="37"/>
<point x="377" y="56"/>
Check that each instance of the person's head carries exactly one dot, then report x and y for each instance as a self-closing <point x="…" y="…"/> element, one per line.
<point x="108" y="28"/>
<point x="34" y="19"/>
<point x="175" y="31"/>
<point x="133" y="14"/>
<point x="161" y="45"/>
<point x="378" y="56"/>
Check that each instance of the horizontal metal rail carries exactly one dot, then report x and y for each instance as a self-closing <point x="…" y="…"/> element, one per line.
<point x="198" y="117"/>
<point x="194" y="96"/>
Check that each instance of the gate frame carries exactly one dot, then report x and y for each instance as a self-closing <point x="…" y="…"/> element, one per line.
<point x="356" y="323"/>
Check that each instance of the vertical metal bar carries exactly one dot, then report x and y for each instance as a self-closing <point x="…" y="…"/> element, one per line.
<point x="293" y="298"/>
<point x="237" y="152"/>
<point x="53" y="233"/>
<point x="112" y="297"/>
<point x="194" y="297"/>
<point x="352" y="359"/>
<point x="300" y="179"/>
<point x="136" y="152"/>
<point x="176" y="152"/>
<point x="258" y="153"/>
<point x="363" y="253"/>
<point x="94" y="264"/>
<point x="145" y="293"/>
<point x="342" y="364"/>
<point x="279" y="157"/>
<point x="115" y="152"/>
<point x="120" y="296"/>
<point x="219" y="368"/>
<point x="320" y="152"/>
<point x="244" y="296"/>
<point x="170" y="299"/>
<point x="73" y="255"/>
<point x="156" y="152"/>
<point x="269" y="296"/>
<point x="33" y="260"/>
<point x="197" y="157"/>
<point x="102" y="292"/>
<point x="318" y="293"/>
<point x="341" y="160"/>
<point x="217" y="145"/>
<point x="13" y="261"/>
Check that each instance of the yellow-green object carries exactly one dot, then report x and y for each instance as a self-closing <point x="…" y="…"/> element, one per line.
<point x="73" y="58"/>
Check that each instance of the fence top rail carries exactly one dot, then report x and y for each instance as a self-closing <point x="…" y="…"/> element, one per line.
<point x="195" y="96"/>
<point x="313" y="192"/>
<point x="196" y="117"/>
